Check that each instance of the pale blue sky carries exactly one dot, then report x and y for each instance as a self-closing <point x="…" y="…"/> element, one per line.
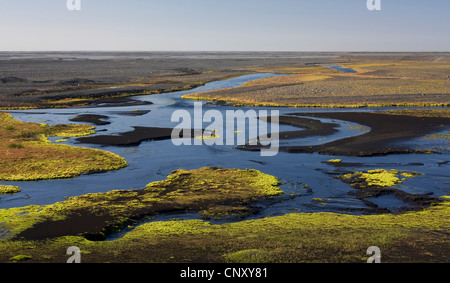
<point x="227" y="25"/>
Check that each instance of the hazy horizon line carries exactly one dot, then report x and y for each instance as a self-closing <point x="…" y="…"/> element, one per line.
<point x="230" y="51"/>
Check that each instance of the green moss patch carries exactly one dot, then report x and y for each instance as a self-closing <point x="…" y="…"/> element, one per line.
<point x="9" y="189"/>
<point x="226" y="212"/>
<point x="97" y="215"/>
<point x="18" y="258"/>
<point x="334" y="161"/>
<point x="439" y="136"/>
<point x="377" y="177"/>
<point x="379" y="182"/>
<point x="70" y="130"/>
<point x="249" y="256"/>
<point x="43" y="233"/>
<point x="421" y="236"/>
<point x="27" y="155"/>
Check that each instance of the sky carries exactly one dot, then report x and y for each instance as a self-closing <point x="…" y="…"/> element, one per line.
<point x="226" y="25"/>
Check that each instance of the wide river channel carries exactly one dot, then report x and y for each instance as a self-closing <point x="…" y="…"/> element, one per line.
<point x="304" y="176"/>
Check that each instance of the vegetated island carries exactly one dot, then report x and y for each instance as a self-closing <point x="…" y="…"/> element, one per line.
<point x="27" y="155"/>
<point x="43" y="233"/>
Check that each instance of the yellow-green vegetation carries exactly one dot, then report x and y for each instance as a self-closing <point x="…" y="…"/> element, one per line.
<point x="290" y="79"/>
<point x="225" y="212"/>
<point x="408" y="69"/>
<point x="298" y="237"/>
<point x="247" y="185"/>
<point x="207" y="137"/>
<point x="249" y="256"/>
<point x="6" y="189"/>
<point x="19" y="258"/>
<point x="379" y="177"/>
<point x="293" y="238"/>
<point x="26" y="154"/>
<point x="62" y="103"/>
<point x="335" y="160"/>
<point x="68" y="131"/>
<point x="439" y="136"/>
<point x="377" y="84"/>
<point x="201" y="189"/>
<point x="304" y="70"/>
<point x="361" y="128"/>
<point x="439" y="113"/>
<point x="409" y="174"/>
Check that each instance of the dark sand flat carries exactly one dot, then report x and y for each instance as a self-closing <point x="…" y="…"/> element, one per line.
<point x="310" y="128"/>
<point x="383" y="139"/>
<point x="385" y="134"/>
<point x="386" y="131"/>
<point x="131" y="138"/>
<point x="133" y="113"/>
<point x="98" y="120"/>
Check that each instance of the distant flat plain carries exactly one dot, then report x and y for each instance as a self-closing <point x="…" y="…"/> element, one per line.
<point x="59" y="79"/>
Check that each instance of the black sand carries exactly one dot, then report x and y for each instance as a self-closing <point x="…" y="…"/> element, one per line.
<point x="386" y="131"/>
<point x="97" y="120"/>
<point x="131" y="138"/>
